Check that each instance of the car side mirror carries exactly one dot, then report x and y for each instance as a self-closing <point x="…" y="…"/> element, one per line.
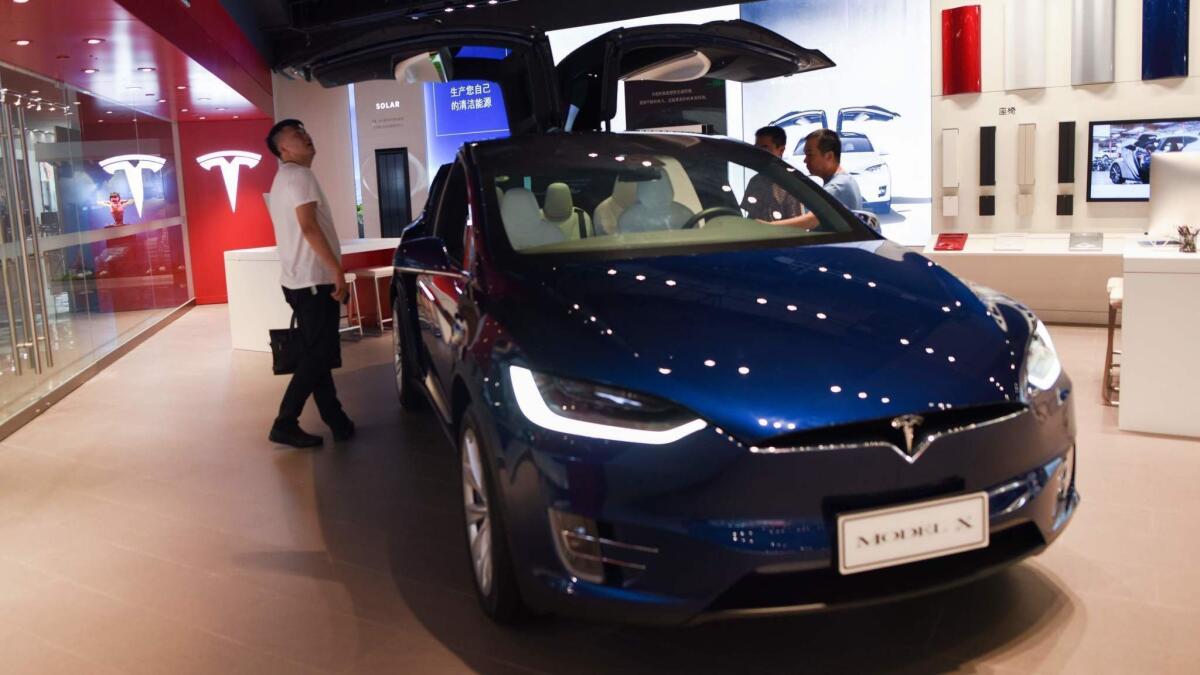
<point x="427" y="255"/>
<point x="869" y="219"/>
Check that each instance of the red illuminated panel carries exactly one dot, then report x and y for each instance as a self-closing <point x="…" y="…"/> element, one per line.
<point x="960" y="51"/>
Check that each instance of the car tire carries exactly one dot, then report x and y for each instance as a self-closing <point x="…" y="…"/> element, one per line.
<point x="1115" y="175"/>
<point x="407" y="388"/>
<point x="486" y="537"/>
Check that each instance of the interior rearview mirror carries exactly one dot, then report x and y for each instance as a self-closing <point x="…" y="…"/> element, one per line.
<point x="425" y="67"/>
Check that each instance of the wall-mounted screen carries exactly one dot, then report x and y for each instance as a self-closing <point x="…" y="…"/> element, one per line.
<point x="1120" y="154"/>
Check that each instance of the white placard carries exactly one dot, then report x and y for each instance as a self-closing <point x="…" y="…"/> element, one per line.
<point x="870" y="540"/>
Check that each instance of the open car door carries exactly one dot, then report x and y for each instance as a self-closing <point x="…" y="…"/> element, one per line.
<point x="737" y="51"/>
<point x="801" y="118"/>
<point x="519" y="61"/>
<point x="863" y="113"/>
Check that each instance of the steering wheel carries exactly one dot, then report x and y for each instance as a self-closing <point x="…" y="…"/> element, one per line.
<point x="709" y="213"/>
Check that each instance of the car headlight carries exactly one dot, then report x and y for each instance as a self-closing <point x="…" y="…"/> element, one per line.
<point x="875" y="167"/>
<point x="595" y="411"/>
<point x="1042" y="366"/>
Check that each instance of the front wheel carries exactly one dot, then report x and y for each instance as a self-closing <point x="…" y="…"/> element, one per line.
<point x="406" y="386"/>
<point x="487" y="543"/>
<point x="1115" y="175"/>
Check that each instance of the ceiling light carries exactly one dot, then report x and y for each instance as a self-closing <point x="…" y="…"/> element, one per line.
<point x="449" y="9"/>
<point x="203" y="117"/>
<point x="183" y="110"/>
<point x="89" y="71"/>
<point x="20" y="2"/>
<point x="204" y="98"/>
<point x="146" y="69"/>
<point x="162" y="100"/>
<point x="94" y="41"/>
<point x="220" y="108"/>
<point x="235" y="117"/>
<point x="493" y="2"/>
<point x="21" y="43"/>
<point x="181" y="86"/>
<point x="35" y="91"/>
<point x="107" y="112"/>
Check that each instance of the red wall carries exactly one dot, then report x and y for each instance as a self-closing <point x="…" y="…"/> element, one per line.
<point x="212" y="227"/>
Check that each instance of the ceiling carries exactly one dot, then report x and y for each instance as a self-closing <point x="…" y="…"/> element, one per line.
<point x="282" y="27"/>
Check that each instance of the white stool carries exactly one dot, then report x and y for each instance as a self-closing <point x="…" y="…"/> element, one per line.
<point x="1116" y="299"/>
<point x="375" y="274"/>
<point x="353" y="315"/>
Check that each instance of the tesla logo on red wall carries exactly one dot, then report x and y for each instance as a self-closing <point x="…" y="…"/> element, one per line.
<point x="230" y="163"/>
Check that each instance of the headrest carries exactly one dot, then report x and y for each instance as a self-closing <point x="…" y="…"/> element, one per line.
<point x="519" y="207"/>
<point x="656" y="194"/>
<point x="624" y="193"/>
<point x="559" y="205"/>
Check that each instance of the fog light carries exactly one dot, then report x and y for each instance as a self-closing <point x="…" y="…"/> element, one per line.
<point x="1066" y="475"/>
<point x="577" y="541"/>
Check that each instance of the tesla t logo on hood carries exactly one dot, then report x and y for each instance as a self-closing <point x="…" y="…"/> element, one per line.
<point x="908" y="424"/>
<point x="230" y="162"/>
<point x="132" y="166"/>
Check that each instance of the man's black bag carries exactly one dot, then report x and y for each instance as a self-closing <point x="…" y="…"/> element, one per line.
<point x="287" y="346"/>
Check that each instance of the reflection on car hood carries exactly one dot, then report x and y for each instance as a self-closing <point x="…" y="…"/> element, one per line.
<point x="758" y="341"/>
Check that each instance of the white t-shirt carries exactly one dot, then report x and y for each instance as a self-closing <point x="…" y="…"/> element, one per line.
<point x="296" y="185"/>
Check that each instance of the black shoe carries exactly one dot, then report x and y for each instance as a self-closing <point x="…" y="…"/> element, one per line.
<point x="295" y="437"/>
<point x="343" y="431"/>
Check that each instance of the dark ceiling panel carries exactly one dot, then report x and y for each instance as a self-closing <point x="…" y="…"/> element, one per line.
<point x="296" y="24"/>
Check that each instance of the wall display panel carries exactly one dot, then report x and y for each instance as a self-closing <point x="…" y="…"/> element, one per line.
<point x="1026" y="169"/>
<point x="949" y="158"/>
<point x="961" y="61"/>
<point x="987" y="205"/>
<point x="886" y="130"/>
<point x="1065" y="205"/>
<point x="950" y="206"/>
<point x="1164" y="39"/>
<point x="1093" y="41"/>
<point x="1066" y="152"/>
<point x="987" y="156"/>
<point x="1120" y="154"/>
<point x="1025" y="44"/>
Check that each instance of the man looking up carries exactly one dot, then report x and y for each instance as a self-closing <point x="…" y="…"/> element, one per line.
<point x="313" y="281"/>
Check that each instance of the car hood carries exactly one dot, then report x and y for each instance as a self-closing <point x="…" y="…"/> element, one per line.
<point x="765" y="342"/>
<point x="855" y="162"/>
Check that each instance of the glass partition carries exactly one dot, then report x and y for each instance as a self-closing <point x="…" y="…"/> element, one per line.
<point x="92" y="233"/>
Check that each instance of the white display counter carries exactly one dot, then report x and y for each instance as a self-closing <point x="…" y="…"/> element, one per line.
<point x="1160" y="336"/>
<point x="256" y="302"/>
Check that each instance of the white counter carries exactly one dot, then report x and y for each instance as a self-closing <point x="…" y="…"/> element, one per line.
<point x="256" y="302"/>
<point x="1160" y="336"/>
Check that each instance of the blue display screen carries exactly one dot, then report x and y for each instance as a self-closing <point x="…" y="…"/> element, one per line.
<point x="494" y="53"/>
<point x="460" y="112"/>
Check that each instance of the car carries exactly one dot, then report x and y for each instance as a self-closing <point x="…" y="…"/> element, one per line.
<point x="1178" y="143"/>
<point x="859" y="156"/>
<point x="687" y="414"/>
<point x="1133" y="164"/>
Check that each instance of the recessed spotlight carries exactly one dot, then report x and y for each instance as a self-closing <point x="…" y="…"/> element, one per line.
<point x="108" y="112"/>
<point x="21" y="43"/>
<point x="449" y="10"/>
<point x="204" y="98"/>
<point x="100" y="121"/>
<point x="183" y="110"/>
<point x="203" y="117"/>
<point x="220" y="108"/>
<point x="162" y="100"/>
<point x="89" y="71"/>
<point x="236" y="117"/>
<point x="146" y="69"/>
<point x="35" y="91"/>
<point x="94" y="41"/>
<point x="20" y="2"/>
<point x="181" y="86"/>
<point x="132" y="87"/>
<point x="493" y="2"/>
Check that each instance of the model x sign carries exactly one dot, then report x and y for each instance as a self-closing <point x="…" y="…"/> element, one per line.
<point x="230" y="163"/>
<point x="133" y="166"/>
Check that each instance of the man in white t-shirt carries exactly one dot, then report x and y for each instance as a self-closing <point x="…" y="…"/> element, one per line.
<point x="314" y="284"/>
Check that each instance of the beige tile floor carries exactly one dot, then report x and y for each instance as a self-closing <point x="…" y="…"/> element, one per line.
<point x="147" y="526"/>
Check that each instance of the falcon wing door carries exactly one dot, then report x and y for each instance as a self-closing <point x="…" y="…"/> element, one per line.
<point x="863" y="113"/>
<point x="518" y="60"/>
<point x="801" y="118"/>
<point x="737" y="51"/>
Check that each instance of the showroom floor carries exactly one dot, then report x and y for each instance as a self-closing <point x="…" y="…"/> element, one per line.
<point x="146" y="525"/>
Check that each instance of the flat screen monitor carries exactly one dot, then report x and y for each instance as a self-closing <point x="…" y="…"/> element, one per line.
<point x="1120" y="153"/>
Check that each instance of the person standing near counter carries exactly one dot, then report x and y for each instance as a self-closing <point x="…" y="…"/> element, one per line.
<point x="314" y="284"/>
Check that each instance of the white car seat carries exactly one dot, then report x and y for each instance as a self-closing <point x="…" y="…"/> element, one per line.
<point x="656" y="209"/>
<point x="523" y="221"/>
<point x="608" y="212"/>
<point x="560" y="211"/>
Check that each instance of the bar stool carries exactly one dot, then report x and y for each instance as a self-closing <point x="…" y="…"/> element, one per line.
<point x="375" y="274"/>
<point x="1116" y="298"/>
<point x="353" y="315"/>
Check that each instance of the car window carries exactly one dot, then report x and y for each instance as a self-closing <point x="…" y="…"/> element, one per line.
<point x="610" y="197"/>
<point x="856" y="145"/>
<point x="452" y="215"/>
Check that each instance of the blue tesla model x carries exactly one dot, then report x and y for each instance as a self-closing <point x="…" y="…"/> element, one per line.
<point x="667" y="411"/>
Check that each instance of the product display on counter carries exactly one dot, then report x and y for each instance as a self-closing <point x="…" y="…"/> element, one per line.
<point x="1025" y="44"/>
<point x="1086" y="241"/>
<point x="1164" y="39"/>
<point x="961" y="43"/>
<point x="1009" y="242"/>
<point x="951" y="241"/>
<point x="1093" y="40"/>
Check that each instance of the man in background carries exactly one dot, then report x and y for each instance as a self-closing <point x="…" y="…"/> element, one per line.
<point x="314" y="284"/>
<point x="766" y="200"/>
<point x="823" y="157"/>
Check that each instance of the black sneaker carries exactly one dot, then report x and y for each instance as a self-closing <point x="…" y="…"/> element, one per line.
<point x="295" y="437"/>
<point x="344" y="431"/>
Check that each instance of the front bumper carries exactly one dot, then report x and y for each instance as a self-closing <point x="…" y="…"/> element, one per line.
<point x="705" y="529"/>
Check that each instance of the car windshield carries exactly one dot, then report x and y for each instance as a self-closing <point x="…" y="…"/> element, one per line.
<point x="652" y="194"/>
<point x="856" y="144"/>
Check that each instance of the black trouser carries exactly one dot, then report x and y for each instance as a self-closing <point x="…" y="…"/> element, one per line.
<point x="317" y="317"/>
